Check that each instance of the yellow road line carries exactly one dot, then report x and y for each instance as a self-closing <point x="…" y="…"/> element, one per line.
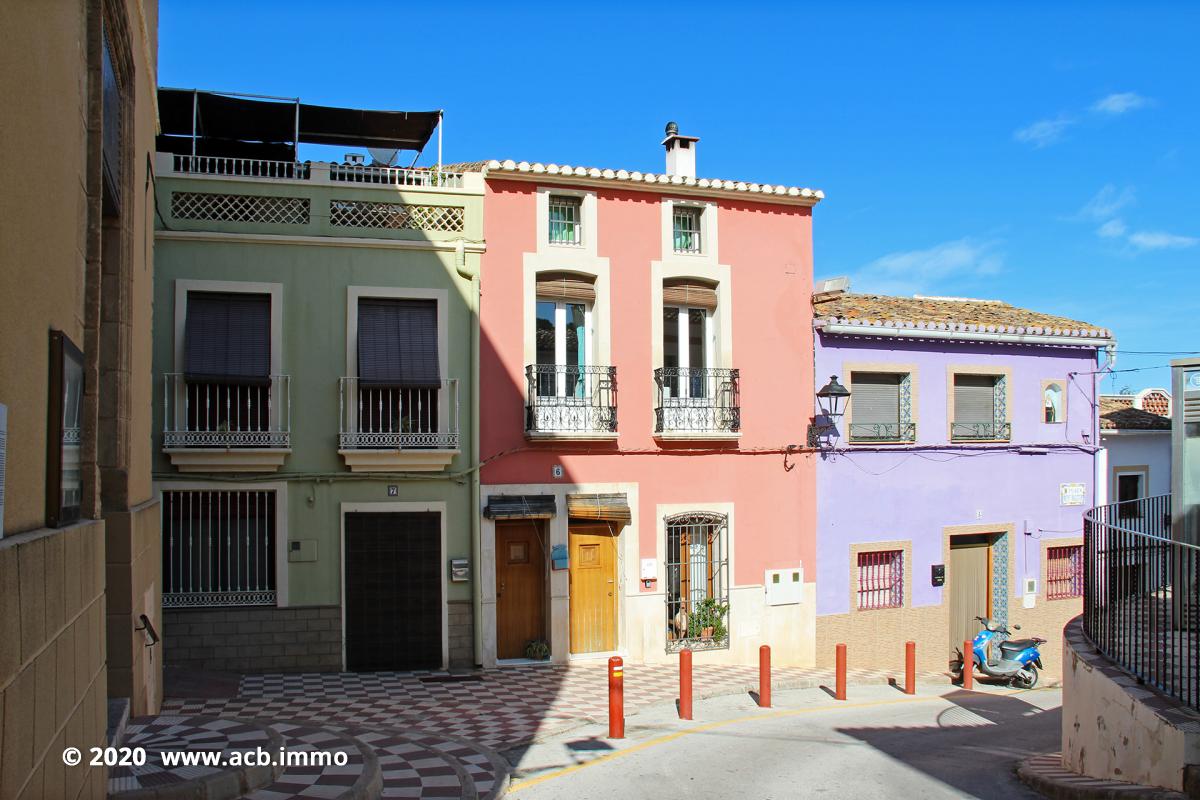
<point x="708" y="726"/>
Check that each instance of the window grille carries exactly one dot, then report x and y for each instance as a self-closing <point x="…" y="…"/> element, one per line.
<point x="687" y="229"/>
<point x="566" y="220"/>
<point x="218" y="548"/>
<point x="1064" y="572"/>
<point x="697" y="577"/>
<point x="239" y="208"/>
<point x="880" y="579"/>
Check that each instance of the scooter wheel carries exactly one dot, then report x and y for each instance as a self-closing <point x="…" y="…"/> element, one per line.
<point x="1026" y="678"/>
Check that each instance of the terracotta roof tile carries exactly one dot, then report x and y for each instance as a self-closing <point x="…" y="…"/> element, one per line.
<point x="942" y="312"/>
<point x="1118" y="413"/>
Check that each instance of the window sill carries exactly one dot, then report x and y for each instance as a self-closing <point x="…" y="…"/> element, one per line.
<point x="572" y="436"/>
<point x="222" y="459"/>
<point x="698" y="436"/>
<point x="980" y="441"/>
<point x="397" y="460"/>
<point x="892" y="442"/>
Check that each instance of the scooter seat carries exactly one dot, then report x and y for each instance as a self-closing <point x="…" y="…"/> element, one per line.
<point x="1017" y="645"/>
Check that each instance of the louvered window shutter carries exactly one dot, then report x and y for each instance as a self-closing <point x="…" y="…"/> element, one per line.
<point x="566" y="287"/>
<point x="974" y="399"/>
<point x="689" y="293"/>
<point x="398" y="343"/>
<point x="875" y="398"/>
<point x="227" y="338"/>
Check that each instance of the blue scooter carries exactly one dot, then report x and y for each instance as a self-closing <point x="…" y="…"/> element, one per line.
<point x="1019" y="659"/>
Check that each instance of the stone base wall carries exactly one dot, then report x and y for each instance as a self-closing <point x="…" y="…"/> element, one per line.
<point x="462" y="634"/>
<point x="134" y="562"/>
<point x="53" y="681"/>
<point x="1117" y="729"/>
<point x="268" y="639"/>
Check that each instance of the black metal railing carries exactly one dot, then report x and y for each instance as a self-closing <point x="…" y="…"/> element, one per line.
<point x="1140" y="606"/>
<point x="570" y="399"/>
<point x="883" y="431"/>
<point x="697" y="400"/>
<point x="980" y="431"/>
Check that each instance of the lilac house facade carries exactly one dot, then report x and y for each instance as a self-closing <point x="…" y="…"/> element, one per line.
<point x="954" y="483"/>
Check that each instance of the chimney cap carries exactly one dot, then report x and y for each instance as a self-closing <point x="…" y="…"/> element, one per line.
<point x="672" y="128"/>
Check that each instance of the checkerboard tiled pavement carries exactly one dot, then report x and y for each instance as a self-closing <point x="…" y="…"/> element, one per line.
<point x="434" y="734"/>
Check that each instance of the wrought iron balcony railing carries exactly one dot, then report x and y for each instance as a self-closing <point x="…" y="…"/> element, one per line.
<point x="220" y="166"/>
<point x="226" y="415"/>
<point x="883" y="431"/>
<point x="569" y="399"/>
<point x="697" y="400"/>
<point x="980" y="431"/>
<point x="1141" y="594"/>
<point x="397" y="417"/>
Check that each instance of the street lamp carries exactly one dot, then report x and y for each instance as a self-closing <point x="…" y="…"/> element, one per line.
<point x="831" y="399"/>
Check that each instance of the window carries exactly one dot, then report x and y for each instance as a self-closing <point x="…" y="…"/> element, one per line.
<point x="686" y="229"/>
<point x="1052" y="403"/>
<point x="697" y="577"/>
<point x="563" y="320"/>
<point x="1064" y="572"/>
<point x="64" y="477"/>
<point x="687" y="351"/>
<point x="880" y="579"/>
<point x="227" y="366"/>
<point x="566" y="220"/>
<point x="1130" y="487"/>
<point x="399" y="376"/>
<point x="218" y="548"/>
<point x="979" y="408"/>
<point x="881" y="407"/>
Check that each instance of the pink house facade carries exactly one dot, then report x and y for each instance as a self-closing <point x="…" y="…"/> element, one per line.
<point x="645" y="366"/>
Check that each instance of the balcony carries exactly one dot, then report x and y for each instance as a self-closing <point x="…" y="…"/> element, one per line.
<point x="697" y="403"/>
<point x="980" y="431"/>
<point x="226" y="427"/>
<point x="397" y="428"/>
<point x="883" y="432"/>
<point x="570" y="402"/>
<point x="223" y="167"/>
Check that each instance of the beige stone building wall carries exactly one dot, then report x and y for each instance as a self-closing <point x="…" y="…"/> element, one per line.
<point x="67" y="645"/>
<point x="875" y="639"/>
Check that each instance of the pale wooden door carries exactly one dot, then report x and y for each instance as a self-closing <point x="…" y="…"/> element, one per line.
<point x="593" y="569"/>
<point x="970" y="590"/>
<point x="520" y="587"/>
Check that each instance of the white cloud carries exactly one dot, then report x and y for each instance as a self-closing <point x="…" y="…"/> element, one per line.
<point x="1044" y="132"/>
<point x="1105" y="203"/>
<point x="929" y="270"/>
<point x="1120" y="103"/>
<point x="1161" y="240"/>
<point x="1112" y="229"/>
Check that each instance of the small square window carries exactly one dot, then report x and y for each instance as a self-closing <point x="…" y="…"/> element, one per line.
<point x="880" y="579"/>
<point x="1064" y="572"/>
<point x="686" y="231"/>
<point x="566" y="220"/>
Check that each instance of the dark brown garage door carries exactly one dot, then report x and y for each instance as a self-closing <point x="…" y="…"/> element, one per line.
<point x="393" y="592"/>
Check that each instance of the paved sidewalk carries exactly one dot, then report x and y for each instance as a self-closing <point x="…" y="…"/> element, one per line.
<point x="422" y="734"/>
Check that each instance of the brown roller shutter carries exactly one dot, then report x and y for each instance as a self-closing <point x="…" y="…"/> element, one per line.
<point x="610" y="507"/>
<point x="565" y="286"/>
<point x="689" y="292"/>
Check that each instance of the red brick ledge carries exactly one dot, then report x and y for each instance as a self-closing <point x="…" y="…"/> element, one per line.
<point x="1046" y="774"/>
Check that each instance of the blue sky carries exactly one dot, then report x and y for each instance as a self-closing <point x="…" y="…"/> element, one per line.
<point x="1049" y="157"/>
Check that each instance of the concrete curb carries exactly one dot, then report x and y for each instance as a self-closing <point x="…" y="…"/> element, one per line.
<point x="1046" y="774"/>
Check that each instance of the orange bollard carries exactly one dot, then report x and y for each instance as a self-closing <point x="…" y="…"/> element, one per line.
<point x="910" y="667"/>
<point x="840" y="693"/>
<point x="968" y="666"/>
<point x="685" y="684"/>
<point x="764" y="677"/>
<point x="616" y="698"/>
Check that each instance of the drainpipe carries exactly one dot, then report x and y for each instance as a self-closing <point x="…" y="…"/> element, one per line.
<point x="1100" y="459"/>
<point x="472" y="274"/>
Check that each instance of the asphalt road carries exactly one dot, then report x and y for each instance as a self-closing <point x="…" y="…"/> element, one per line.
<point x="878" y="744"/>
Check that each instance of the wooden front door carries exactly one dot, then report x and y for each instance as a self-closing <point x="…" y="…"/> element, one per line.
<point x="520" y="586"/>
<point x="970" y="582"/>
<point x="593" y="569"/>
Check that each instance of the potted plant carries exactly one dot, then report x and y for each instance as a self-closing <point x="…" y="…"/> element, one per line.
<point x="707" y="620"/>
<point x="537" y="650"/>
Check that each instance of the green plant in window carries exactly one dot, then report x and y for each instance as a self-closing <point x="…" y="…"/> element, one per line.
<point x="707" y="620"/>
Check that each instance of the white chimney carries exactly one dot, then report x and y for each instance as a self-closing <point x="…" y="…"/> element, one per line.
<point x="681" y="152"/>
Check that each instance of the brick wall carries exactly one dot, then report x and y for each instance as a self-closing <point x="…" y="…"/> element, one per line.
<point x="296" y="639"/>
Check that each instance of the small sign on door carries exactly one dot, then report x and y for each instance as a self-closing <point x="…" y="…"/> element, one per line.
<point x="1071" y="494"/>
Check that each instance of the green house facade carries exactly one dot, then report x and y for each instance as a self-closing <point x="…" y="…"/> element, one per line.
<point x="315" y="350"/>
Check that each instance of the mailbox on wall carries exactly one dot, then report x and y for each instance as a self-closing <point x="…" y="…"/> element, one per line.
<point x="937" y="574"/>
<point x="558" y="556"/>
<point x="460" y="570"/>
